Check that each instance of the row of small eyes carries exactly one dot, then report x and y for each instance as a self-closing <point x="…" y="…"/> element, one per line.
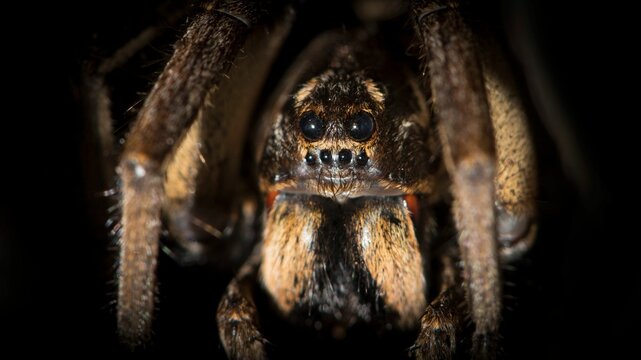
<point x="360" y="127"/>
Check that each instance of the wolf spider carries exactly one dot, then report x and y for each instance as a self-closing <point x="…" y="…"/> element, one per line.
<point x="355" y="148"/>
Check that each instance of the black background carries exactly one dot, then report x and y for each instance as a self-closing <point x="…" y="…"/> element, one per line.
<point x="576" y="293"/>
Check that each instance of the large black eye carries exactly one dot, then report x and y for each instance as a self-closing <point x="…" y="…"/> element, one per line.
<point x="361" y="127"/>
<point x="312" y="127"/>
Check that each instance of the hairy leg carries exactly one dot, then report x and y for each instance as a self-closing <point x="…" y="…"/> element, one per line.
<point x="237" y="316"/>
<point x="443" y="317"/>
<point x="96" y="98"/>
<point x="202" y="171"/>
<point x="465" y="130"/>
<point x="201" y="58"/>
<point x="516" y="169"/>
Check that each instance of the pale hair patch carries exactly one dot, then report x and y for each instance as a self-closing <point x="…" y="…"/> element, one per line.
<point x="305" y="91"/>
<point x="374" y="91"/>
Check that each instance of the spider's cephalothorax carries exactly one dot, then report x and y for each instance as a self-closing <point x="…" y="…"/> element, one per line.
<point x="346" y="132"/>
<point x="343" y="147"/>
<point x="353" y="148"/>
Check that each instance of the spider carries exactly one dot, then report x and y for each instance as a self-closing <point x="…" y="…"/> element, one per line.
<point x="352" y="155"/>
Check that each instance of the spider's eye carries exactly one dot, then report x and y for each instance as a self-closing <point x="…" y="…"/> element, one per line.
<point x="361" y="127"/>
<point x="312" y="127"/>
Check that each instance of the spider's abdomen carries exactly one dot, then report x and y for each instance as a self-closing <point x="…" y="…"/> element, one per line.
<point x="343" y="263"/>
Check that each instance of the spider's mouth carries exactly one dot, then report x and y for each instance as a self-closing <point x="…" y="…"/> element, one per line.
<point x="339" y="188"/>
<point x="409" y="200"/>
<point x="339" y="184"/>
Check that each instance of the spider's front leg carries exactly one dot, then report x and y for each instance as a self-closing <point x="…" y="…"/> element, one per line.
<point x="465" y="130"/>
<point x="488" y="153"/>
<point x="158" y="167"/>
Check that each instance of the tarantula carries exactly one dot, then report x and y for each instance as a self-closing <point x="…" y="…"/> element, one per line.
<point x="354" y="149"/>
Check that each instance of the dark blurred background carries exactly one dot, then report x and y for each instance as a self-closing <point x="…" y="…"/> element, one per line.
<point x="575" y="294"/>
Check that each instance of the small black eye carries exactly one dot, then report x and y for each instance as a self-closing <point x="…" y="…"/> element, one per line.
<point x="312" y="127"/>
<point x="310" y="159"/>
<point x="362" y="158"/>
<point x="361" y="127"/>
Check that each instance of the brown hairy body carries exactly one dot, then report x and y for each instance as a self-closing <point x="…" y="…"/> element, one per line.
<point x="352" y="151"/>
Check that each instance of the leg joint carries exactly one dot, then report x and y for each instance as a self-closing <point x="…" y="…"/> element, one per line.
<point x="475" y="170"/>
<point x="135" y="167"/>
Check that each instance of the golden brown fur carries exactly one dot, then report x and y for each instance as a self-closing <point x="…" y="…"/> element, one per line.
<point x="337" y="240"/>
<point x="287" y="256"/>
<point x="516" y="163"/>
<point x="391" y="254"/>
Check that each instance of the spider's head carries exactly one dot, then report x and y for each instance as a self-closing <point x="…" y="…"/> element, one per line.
<point x="347" y="132"/>
<point x="336" y="120"/>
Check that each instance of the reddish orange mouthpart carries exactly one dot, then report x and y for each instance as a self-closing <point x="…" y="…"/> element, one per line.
<point x="269" y="199"/>
<point x="412" y="204"/>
